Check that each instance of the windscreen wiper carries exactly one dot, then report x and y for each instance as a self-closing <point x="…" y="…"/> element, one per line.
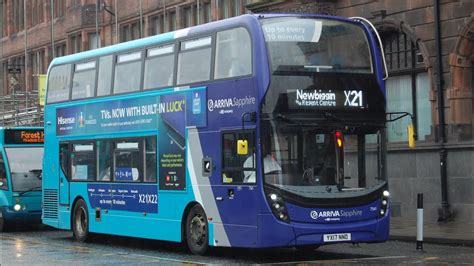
<point x="330" y="116"/>
<point x="295" y="122"/>
<point x="29" y="190"/>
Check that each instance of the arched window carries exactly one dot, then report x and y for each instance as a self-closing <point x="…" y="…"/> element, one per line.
<point x="407" y="87"/>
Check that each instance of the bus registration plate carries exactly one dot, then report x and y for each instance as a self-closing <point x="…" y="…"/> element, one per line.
<point x="337" y="237"/>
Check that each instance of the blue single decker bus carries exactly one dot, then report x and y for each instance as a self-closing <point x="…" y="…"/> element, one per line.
<point x="255" y="131"/>
<point x="21" y="158"/>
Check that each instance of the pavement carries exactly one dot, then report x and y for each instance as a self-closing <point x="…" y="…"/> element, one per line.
<point x="454" y="232"/>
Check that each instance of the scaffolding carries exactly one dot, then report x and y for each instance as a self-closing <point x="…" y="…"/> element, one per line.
<point x="21" y="109"/>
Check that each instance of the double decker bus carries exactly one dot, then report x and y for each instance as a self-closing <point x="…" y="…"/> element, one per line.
<point x="254" y="131"/>
<point x="21" y="158"/>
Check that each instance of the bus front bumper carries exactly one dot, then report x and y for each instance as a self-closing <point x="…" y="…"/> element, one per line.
<point x="274" y="233"/>
<point x="21" y="216"/>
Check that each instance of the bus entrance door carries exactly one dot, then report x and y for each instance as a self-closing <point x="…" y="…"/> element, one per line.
<point x="63" y="173"/>
<point x="237" y="197"/>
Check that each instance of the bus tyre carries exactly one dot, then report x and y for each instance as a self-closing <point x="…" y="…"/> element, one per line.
<point x="80" y="221"/>
<point x="197" y="231"/>
<point x="3" y="226"/>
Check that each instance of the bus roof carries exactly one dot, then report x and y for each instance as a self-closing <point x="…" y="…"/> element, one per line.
<point x="154" y="40"/>
<point x="170" y="36"/>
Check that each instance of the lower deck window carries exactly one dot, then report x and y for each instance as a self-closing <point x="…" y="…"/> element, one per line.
<point x="120" y="160"/>
<point x="128" y="158"/>
<point x="83" y="162"/>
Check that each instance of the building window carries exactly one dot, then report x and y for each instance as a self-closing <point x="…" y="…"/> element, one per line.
<point x="206" y="7"/>
<point x="59" y="8"/>
<point x="2" y="20"/>
<point x="171" y="21"/>
<point x="130" y="32"/>
<point x="60" y="50"/>
<point x="94" y="41"/>
<point x="188" y="17"/>
<point x="236" y="7"/>
<point x="224" y="9"/>
<point x="408" y="86"/>
<point x="75" y="43"/>
<point x="36" y="12"/>
<point x="37" y="66"/>
<point x="156" y="25"/>
<point x="18" y="18"/>
<point x="16" y="82"/>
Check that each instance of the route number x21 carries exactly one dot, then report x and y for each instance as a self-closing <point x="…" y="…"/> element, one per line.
<point x="353" y="98"/>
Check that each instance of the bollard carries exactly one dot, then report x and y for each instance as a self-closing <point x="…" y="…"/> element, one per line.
<point x="419" y="223"/>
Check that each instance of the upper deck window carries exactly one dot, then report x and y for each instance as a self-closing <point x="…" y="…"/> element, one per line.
<point x="194" y="60"/>
<point x="83" y="82"/>
<point x="316" y="45"/>
<point x="58" y="83"/>
<point x="105" y="75"/>
<point x="128" y="72"/>
<point x="233" y="53"/>
<point x="159" y="67"/>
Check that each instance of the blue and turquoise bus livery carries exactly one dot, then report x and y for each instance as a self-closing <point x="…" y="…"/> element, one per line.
<point x="255" y="131"/>
<point x="21" y="157"/>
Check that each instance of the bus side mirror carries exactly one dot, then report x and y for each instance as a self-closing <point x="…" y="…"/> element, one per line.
<point x="411" y="136"/>
<point x="242" y="147"/>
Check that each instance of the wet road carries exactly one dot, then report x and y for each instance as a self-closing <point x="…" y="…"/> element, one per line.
<point x="52" y="247"/>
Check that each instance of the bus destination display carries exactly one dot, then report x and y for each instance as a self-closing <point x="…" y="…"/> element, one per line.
<point x="326" y="99"/>
<point x="27" y="136"/>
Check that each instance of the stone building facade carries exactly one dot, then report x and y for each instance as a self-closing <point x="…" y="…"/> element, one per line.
<point x="421" y="39"/>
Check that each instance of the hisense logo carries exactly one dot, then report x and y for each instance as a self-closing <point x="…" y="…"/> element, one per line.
<point x="66" y="120"/>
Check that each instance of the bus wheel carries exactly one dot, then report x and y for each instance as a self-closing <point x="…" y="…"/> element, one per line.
<point x="197" y="231"/>
<point x="80" y="221"/>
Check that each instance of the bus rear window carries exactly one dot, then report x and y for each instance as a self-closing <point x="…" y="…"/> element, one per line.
<point x="58" y="83"/>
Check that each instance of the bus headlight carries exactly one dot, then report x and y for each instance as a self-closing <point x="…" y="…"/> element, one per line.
<point x="17" y="207"/>
<point x="384" y="203"/>
<point x="278" y="207"/>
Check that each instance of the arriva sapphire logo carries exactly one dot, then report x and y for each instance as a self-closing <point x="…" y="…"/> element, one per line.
<point x="228" y="104"/>
<point x="334" y="215"/>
